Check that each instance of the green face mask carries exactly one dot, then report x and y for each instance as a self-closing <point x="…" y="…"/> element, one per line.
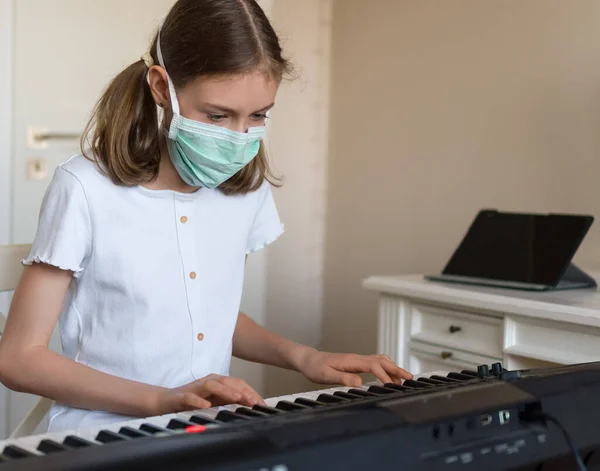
<point x="204" y="154"/>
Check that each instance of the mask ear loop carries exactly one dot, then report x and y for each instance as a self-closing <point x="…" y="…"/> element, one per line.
<point x="172" y="93"/>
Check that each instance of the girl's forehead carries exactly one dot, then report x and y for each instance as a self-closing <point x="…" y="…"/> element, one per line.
<point x="251" y="89"/>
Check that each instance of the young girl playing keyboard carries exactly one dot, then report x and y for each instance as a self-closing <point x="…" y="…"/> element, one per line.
<point x="141" y="244"/>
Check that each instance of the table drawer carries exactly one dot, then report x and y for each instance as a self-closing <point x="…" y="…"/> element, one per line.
<point x="426" y="358"/>
<point x="550" y="341"/>
<point x="478" y="334"/>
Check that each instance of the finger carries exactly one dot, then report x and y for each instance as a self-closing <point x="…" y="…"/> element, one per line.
<point x="378" y="371"/>
<point x="225" y="394"/>
<point x="334" y="376"/>
<point x="191" y="401"/>
<point x="397" y="373"/>
<point x="251" y="397"/>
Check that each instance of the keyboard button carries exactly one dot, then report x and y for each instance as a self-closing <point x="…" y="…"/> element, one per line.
<point x="290" y="406"/>
<point x="416" y="384"/>
<point x="228" y="416"/>
<point x="331" y="399"/>
<point x="177" y="424"/>
<point x="133" y="433"/>
<point x="200" y="420"/>
<point x="381" y="390"/>
<point x="397" y="387"/>
<point x="445" y="379"/>
<point x="77" y="442"/>
<point x="459" y="376"/>
<point x="108" y="436"/>
<point x="153" y="429"/>
<point x="15" y="452"/>
<point x="363" y="393"/>
<point x="435" y="382"/>
<point x="250" y="413"/>
<point x="309" y="402"/>
<point x="267" y="409"/>
<point x="347" y="395"/>
<point x="50" y="446"/>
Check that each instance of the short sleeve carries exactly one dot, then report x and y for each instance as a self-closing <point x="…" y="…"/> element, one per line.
<point x="64" y="236"/>
<point x="266" y="227"/>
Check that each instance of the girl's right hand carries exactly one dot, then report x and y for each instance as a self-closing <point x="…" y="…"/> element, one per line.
<point x="210" y="391"/>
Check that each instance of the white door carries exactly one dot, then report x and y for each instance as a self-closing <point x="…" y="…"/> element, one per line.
<point x="65" y="52"/>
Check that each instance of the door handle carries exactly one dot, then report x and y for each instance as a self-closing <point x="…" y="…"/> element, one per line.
<point x="445" y="355"/>
<point x="47" y="136"/>
<point x="454" y="328"/>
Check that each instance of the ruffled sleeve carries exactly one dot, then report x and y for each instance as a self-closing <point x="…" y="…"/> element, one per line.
<point x="64" y="234"/>
<point x="267" y="226"/>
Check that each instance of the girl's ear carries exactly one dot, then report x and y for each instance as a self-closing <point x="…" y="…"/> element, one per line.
<point x="159" y="86"/>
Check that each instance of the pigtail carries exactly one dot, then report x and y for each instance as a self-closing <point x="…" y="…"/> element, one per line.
<point x="122" y="135"/>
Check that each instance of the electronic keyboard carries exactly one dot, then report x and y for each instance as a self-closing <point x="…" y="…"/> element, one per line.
<point x="490" y="419"/>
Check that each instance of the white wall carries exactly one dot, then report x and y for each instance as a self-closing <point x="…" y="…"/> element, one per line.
<point x="299" y="148"/>
<point x="6" y="59"/>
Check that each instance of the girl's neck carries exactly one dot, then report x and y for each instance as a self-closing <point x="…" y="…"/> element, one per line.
<point x="168" y="178"/>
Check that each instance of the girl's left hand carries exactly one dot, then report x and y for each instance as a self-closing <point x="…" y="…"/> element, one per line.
<point x="338" y="368"/>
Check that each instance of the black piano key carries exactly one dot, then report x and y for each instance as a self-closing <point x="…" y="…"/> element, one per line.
<point x="228" y="416"/>
<point x="309" y="402"/>
<point x="108" y="436"/>
<point x="444" y="379"/>
<point x="347" y="395"/>
<point x="153" y="429"/>
<point x="50" y="446"/>
<point x="250" y="413"/>
<point x="200" y="420"/>
<point x="435" y="382"/>
<point x="178" y="424"/>
<point x="133" y="433"/>
<point x="416" y="384"/>
<point x="290" y="406"/>
<point x="459" y="376"/>
<point x="330" y="399"/>
<point x="381" y="390"/>
<point x="363" y="393"/>
<point x="267" y="409"/>
<point x="15" y="452"/>
<point x="470" y="373"/>
<point x="77" y="442"/>
<point x="397" y="387"/>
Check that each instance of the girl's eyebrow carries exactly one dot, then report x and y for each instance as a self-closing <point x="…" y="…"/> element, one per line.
<point x="229" y="110"/>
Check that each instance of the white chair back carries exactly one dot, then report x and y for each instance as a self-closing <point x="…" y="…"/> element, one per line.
<point x="10" y="273"/>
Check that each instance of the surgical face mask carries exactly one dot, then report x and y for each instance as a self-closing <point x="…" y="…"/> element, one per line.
<point x="204" y="154"/>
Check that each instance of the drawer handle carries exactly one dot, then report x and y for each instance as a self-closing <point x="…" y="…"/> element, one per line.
<point x="446" y="355"/>
<point x="454" y="328"/>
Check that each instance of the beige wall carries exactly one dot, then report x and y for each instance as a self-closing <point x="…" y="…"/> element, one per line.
<point x="440" y="109"/>
<point x="298" y="143"/>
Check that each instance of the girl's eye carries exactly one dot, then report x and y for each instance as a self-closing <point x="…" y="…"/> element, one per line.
<point x="259" y="116"/>
<point x="216" y="117"/>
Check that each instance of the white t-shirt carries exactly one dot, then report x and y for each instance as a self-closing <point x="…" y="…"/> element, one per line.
<point x="158" y="276"/>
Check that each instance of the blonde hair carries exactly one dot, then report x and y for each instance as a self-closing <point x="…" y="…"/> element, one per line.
<point x="198" y="38"/>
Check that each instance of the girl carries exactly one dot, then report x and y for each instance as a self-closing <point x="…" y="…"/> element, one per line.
<point x="142" y="239"/>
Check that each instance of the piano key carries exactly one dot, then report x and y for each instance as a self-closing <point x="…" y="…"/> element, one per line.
<point x="381" y="390"/>
<point x="416" y="384"/>
<point x="331" y="399"/>
<point x="347" y="395"/>
<point x="133" y="432"/>
<point x="470" y="373"/>
<point x="74" y="441"/>
<point x="361" y="392"/>
<point x="50" y="446"/>
<point x="201" y="420"/>
<point x="397" y="387"/>
<point x="309" y="402"/>
<point x="290" y="406"/>
<point x="250" y="413"/>
<point x="108" y="436"/>
<point x="267" y="409"/>
<point x="445" y="379"/>
<point x="459" y="376"/>
<point x="16" y="452"/>
<point x="228" y="416"/>
<point x="435" y="382"/>
<point x="154" y="429"/>
<point x="178" y="424"/>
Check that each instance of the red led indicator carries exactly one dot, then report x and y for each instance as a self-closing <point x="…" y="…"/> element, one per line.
<point x="195" y="429"/>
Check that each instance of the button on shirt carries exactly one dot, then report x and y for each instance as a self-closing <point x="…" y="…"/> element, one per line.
<point x="158" y="276"/>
